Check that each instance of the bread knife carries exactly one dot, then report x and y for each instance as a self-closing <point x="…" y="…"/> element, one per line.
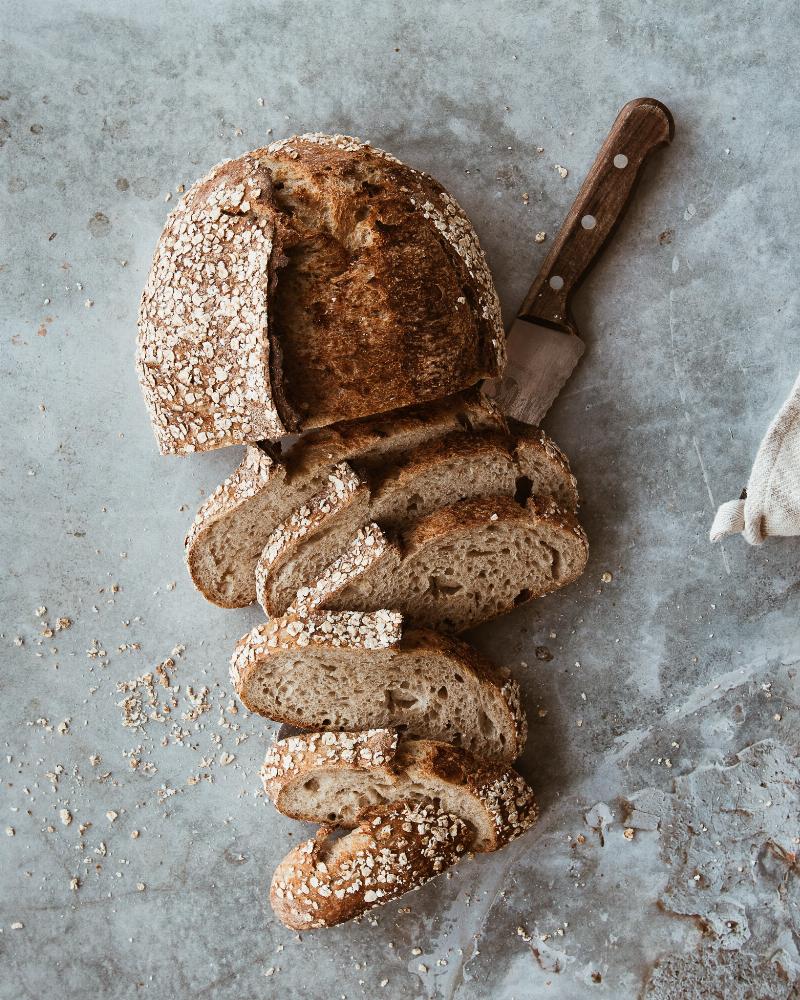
<point x="543" y="344"/>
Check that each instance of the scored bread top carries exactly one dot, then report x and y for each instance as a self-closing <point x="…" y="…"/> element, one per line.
<point x="499" y="801"/>
<point x="394" y="849"/>
<point x="218" y="364"/>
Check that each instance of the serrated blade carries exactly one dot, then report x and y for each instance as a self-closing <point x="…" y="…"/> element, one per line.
<point x="540" y="360"/>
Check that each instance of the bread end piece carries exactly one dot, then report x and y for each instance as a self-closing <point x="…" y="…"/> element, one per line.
<point x="394" y="849"/>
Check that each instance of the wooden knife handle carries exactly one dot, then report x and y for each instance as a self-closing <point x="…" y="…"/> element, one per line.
<point x="640" y="128"/>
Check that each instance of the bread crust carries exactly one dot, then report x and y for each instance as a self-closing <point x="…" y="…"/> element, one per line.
<point x="416" y="314"/>
<point x="286" y="482"/>
<point x="394" y="849"/>
<point x="295" y="632"/>
<point x="204" y="345"/>
<point x="498" y="791"/>
<point x="212" y="364"/>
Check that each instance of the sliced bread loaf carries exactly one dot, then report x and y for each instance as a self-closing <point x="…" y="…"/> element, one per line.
<point x="439" y="473"/>
<point x="356" y="672"/>
<point x="232" y="527"/>
<point x="332" y="777"/>
<point x="457" y="567"/>
<point x="394" y="848"/>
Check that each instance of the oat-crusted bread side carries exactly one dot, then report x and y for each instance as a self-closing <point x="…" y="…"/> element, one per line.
<point x="428" y="685"/>
<point x="443" y="471"/>
<point x="331" y="778"/>
<point x="232" y="527"/>
<point x="394" y="849"/>
<point x="311" y="281"/>
<point x="459" y="566"/>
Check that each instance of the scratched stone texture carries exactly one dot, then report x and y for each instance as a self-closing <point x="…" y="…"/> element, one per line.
<point x="670" y="705"/>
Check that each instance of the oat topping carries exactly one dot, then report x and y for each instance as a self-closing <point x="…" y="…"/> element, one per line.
<point x="394" y="849"/>
<point x="342" y="488"/>
<point x="357" y="629"/>
<point x="203" y="355"/>
<point x="368" y="545"/>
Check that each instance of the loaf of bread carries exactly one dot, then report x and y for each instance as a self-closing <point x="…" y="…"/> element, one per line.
<point x="232" y="527"/>
<point x="355" y="670"/>
<point x="312" y="281"/>
<point x="395" y="848"/>
<point x="330" y="778"/>
<point x="445" y="470"/>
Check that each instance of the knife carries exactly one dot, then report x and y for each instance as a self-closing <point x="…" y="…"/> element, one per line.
<point x="543" y="344"/>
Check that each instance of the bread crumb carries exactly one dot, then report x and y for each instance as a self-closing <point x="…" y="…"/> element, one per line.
<point x="17" y="925"/>
<point x="561" y="171"/>
<point x="140" y="887"/>
<point x="66" y="816"/>
<point x="607" y="577"/>
<point x="628" y="833"/>
<point x="134" y="834"/>
<point x="111" y="815"/>
<point x="540" y="237"/>
<point x="75" y="883"/>
<point x="10" y="831"/>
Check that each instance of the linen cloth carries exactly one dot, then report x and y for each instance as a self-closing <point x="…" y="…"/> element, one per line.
<point x="771" y="503"/>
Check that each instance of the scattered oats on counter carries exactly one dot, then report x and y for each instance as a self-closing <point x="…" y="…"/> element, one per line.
<point x="540" y="237"/>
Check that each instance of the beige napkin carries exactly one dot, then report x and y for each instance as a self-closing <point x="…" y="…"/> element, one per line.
<point x="771" y="503"/>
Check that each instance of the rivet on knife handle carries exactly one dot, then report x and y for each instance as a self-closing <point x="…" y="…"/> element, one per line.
<point x="640" y="128"/>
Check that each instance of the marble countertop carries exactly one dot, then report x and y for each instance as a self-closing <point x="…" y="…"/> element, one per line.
<point x="666" y="703"/>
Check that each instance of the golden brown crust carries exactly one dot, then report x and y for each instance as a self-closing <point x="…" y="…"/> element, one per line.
<point x="394" y="849"/>
<point x="415" y="315"/>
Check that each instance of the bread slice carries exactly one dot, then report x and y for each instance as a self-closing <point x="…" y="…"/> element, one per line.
<point x="445" y="470"/>
<point x="232" y="527"/>
<point x="312" y="281"/>
<point x="394" y="848"/>
<point x="332" y="777"/>
<point x="315" y="673"/>
<point x="457" y="567"/>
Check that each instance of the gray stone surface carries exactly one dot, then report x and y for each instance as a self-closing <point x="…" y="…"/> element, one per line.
<point x="672" y="695"/>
